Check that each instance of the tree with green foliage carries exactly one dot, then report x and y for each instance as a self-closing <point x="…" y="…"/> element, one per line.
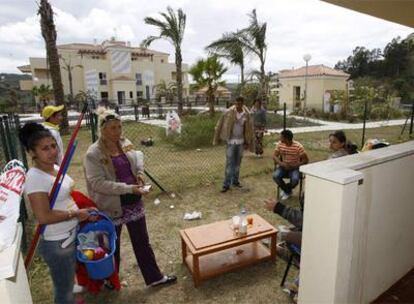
<point x="230" y="47"/>
<point x="162" y="89"/>
<point x="43" y="92"/>
<point x="171" y="27"/>
<point x="253" y="39"/>
<point x="208" y="73"/>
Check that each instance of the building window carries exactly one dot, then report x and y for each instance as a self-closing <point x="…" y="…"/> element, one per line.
<point x="131" y="95"/>
<point x="104" y="96"/>
<point x="162" y="60"/>
<point x="138" y="79"/>
<point x="102" y="78"/>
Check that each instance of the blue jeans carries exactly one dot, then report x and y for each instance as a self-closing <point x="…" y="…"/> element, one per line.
<point x="294" y="176"/>
<point x="61" y="262"/>
<point x="234" y="154"/>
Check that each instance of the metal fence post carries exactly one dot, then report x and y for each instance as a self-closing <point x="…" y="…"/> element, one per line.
<point x="22" y="150"/>
<point x="284" y="116"/>
<point x="412" y="118"/>
<point x="363" y="125"/>
<point x="136" y="112"/>
<point x="9" y="138"/>
<point x="4" y="140"/>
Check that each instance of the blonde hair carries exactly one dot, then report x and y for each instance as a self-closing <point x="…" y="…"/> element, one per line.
<point x="105" y="115"/>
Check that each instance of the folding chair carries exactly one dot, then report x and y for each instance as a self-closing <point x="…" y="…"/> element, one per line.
<point x="294" y="253"/>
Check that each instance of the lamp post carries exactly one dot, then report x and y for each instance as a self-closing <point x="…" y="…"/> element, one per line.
<point x="307" y="58"/>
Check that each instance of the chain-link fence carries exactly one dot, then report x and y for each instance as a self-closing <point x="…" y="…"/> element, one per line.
<point x="177" y="161"/>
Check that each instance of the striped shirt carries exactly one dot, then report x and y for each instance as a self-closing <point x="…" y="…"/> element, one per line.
<point x="290" y="154"/>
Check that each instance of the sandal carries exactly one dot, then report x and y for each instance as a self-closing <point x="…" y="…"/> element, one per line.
<point x="169" y="279"/>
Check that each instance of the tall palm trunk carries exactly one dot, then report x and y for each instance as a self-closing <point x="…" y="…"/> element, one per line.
<point x="49" y="35"/>
<point x="178" y="65"/>
<point x="211" y="97"/>
<point x="263" y="79"/>
<point x="241" y="76"/>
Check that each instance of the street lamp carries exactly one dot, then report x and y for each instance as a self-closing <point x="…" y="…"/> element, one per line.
<point x="307" y="58"/>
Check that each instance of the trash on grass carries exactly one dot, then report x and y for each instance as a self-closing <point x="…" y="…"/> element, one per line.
<point x="192" y="216"/>
<point x="157" y="201"/>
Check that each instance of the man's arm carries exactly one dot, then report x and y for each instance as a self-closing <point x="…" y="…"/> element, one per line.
<point x="276" y="157"/>
<point x="304" y="159"/>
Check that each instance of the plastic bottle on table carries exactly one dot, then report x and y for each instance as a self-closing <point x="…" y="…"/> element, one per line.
<point x="243" y="222"/>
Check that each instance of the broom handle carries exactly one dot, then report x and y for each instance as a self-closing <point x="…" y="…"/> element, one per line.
<point x="35" y="240"/>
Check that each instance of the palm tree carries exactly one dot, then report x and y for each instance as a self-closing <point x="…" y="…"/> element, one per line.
<point x="162" y="89"/>
<point x="49" y="35"/>
<point x="253" y="39"/>
<point x="69" y="68"/>
<point x="43" y="92"/>
<point x="207" y="73"/>
<point x="171" y="28"/>
<point x="230" y="47"/>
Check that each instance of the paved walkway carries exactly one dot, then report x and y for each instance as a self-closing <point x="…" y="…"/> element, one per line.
<point x="332" y="125"/>
<point x="323" y="125"/>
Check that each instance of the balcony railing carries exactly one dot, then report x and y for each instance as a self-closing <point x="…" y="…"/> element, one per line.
<point x="103" y="81"/>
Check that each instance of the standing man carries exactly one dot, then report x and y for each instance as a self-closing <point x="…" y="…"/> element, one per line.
<point x="53" y="118"/>
<point x="289" y="155"/>
<point x="235" y="128"/>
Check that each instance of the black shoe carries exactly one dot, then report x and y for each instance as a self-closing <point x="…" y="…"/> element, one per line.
<point x="224" y="189"/>
<point x="166" y="280"/>
<point x="108" y="285"/>
<point x="238" y="185"/>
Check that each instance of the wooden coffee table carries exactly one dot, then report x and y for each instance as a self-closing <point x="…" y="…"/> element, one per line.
<point x="213" y="249"/>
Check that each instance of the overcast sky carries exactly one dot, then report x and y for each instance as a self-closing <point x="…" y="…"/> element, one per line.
<point x="295" y="27"/>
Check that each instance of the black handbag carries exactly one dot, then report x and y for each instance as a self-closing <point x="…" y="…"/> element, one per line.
<point x="130" y="199"/>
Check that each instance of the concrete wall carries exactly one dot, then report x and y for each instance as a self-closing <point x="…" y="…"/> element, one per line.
<point x="358" y="228"/>
<point x="317" y="86"/>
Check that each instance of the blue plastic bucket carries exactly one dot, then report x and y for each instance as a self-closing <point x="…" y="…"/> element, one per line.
<point x="105" y="267"/>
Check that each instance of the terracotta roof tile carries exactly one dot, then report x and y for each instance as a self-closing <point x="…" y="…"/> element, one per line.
<point x="313" y="70"/>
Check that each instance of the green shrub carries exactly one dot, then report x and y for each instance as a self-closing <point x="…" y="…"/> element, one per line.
<point x="196" y="131"/>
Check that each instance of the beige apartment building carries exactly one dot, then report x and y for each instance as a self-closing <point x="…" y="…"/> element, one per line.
<point x="321" y="80"/>
<point x="113" y="71"/>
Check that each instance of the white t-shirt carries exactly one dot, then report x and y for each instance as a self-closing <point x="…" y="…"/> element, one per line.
<point x="40" y="181"/>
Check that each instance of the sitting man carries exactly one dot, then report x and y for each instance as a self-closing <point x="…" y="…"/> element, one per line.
<point x="289" y="155"/>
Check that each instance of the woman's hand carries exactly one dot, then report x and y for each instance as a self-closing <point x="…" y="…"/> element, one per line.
<point x="140" y="181"/>
<point x="85" y="214"/>
<point x="138" y="190"/>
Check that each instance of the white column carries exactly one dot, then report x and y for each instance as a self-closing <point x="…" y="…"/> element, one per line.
<point x="14" y="286"/>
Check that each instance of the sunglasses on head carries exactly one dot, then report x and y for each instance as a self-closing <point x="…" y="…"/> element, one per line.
<point x="108" y="118"/>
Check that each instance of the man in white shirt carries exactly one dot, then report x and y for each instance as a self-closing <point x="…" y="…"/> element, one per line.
<point x="53" y="118"/>
<point x="235" y="128"/>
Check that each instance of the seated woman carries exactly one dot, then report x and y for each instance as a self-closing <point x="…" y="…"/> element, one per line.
<point x="114" y="178"/>
<point x="339" y="145"/>
<point x="56" y="246"/>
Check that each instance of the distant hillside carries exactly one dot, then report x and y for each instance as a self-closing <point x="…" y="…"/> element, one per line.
<point x="12" y="80"/>
<point x="9" y="85"/>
